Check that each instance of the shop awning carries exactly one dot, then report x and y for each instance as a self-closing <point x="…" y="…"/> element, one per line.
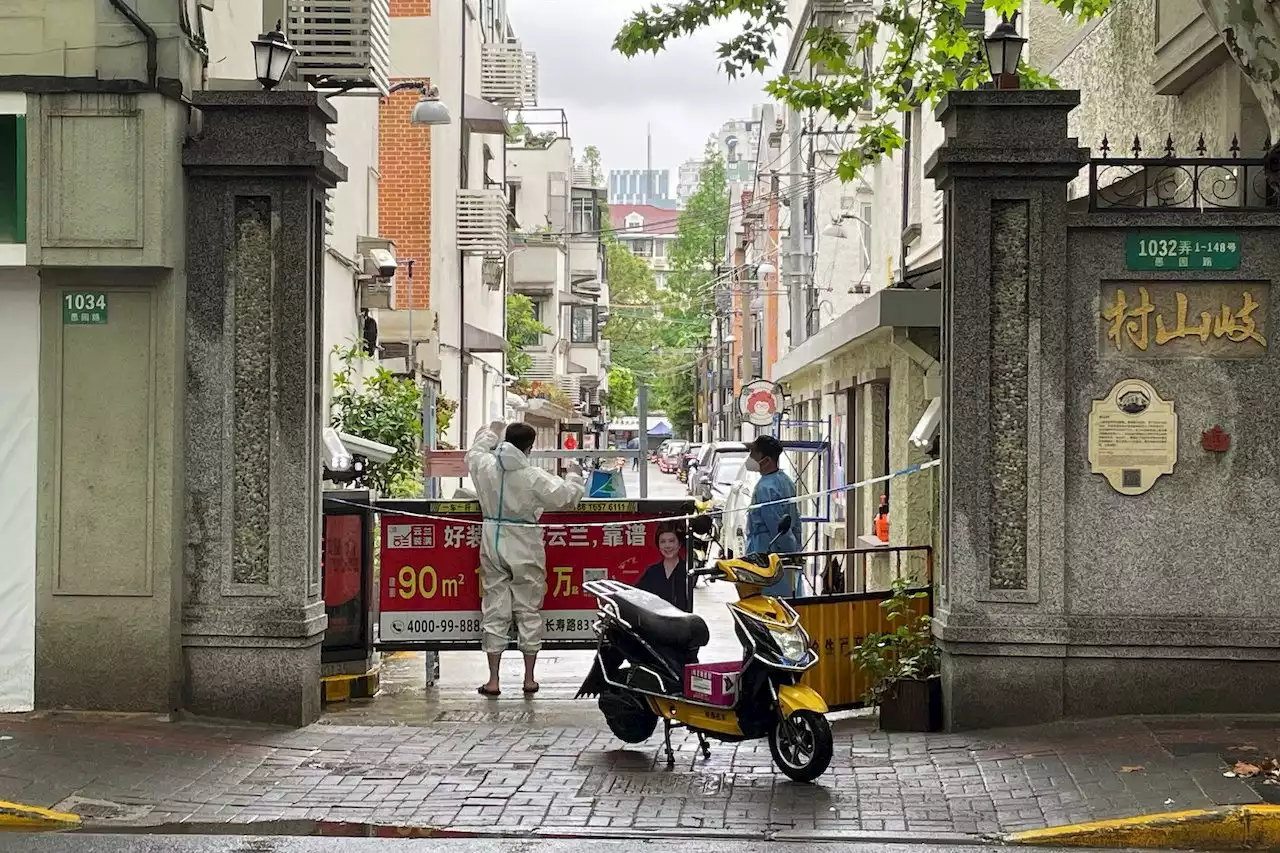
<point x="480" y="116"/>
<point x="657" y="425"/>
<point x="476" y="339"/>
<point x="884" y="309"/>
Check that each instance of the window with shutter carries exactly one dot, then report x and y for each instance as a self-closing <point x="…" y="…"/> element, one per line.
<point x="974" y="18"/>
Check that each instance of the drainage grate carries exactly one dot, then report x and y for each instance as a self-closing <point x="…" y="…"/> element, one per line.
<point x="655" y="785"/>
<point x="102" y="810"/>
<point x="484" y="717"/>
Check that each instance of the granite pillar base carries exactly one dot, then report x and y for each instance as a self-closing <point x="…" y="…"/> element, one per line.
<point x="257" y="679"/>
<point x="1023" y="686"/>
<point x="982" y="691"/>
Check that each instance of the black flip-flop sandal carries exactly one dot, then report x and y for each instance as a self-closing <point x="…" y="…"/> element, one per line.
<point x="529" y="691"/>
<point x="484" y="690"/>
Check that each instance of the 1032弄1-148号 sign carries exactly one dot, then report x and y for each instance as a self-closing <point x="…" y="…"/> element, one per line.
<point x="1182" y="250"/>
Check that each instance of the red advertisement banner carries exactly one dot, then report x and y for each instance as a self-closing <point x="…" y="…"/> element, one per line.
<point x="429" y="588"/>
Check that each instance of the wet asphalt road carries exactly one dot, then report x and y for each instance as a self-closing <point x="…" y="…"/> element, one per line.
<point x="74" y="843"/>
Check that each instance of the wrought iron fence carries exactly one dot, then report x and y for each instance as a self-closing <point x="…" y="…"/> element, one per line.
<point x="1195" y="183"/>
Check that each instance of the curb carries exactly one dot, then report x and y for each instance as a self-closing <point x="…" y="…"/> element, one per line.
<point x="34" y="818"/>
<point x="340" y="688"/>
<point x="1255" y="827"/>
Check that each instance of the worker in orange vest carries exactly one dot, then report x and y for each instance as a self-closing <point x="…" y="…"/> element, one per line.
<point x="882" y="519"/>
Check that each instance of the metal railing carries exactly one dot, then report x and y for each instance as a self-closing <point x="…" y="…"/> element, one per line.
<point x="831" y="576"/>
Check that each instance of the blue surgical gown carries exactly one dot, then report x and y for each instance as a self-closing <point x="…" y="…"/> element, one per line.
<point x="762" y="525"/>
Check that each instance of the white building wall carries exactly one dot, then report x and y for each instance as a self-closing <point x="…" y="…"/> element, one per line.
<point x="229" y="28"/>
<point x="435" y="51"/>
<point x="19" y="412"/>
<point x="533" y="205"/>
<point x="840" y="263"/>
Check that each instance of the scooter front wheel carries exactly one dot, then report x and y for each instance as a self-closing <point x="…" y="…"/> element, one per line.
<point x="802" y="745"/>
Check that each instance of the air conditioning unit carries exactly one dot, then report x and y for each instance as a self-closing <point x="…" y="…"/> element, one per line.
<point x="508" y="75"/>
<point x="377" y="295"/>
<point x="491" y="272"/>
<point x="341" y="42"/>
<point x="482" y="222"/>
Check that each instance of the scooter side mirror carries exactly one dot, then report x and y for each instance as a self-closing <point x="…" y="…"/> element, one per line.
<point x="784" y="525"/>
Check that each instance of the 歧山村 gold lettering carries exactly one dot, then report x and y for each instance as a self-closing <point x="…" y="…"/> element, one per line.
<point x="1182" y="330"/>
<point x="1131" y="321"/>
<point x="1239" y="326"/>
<point x="1134" y="321"/>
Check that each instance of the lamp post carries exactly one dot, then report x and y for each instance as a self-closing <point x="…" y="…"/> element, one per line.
<point x="1004" y="50"/>
<point x="272" y="57"/>
<point x="430" y="110"/>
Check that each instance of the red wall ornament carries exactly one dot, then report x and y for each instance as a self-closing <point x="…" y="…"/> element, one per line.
<point x="1216" y="440"/>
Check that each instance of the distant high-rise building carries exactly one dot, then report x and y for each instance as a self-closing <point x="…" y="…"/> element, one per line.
<point x="640" y="186"/>
<point x="687" y="184"/>
<point x="737" y="140"/>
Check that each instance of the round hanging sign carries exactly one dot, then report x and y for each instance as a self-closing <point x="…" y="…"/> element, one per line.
<point x="759" y="402"/>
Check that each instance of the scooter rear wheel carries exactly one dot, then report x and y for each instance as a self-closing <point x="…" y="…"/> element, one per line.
<point x="802" y="745"/>
<point x="628" y="719"/>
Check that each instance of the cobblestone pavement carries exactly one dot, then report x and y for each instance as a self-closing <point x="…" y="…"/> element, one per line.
<point x="488" y="770"/>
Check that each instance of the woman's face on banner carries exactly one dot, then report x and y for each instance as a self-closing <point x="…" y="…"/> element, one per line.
<point x="668" y="545"/>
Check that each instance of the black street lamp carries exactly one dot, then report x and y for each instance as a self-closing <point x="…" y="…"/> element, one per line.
<point x="1004" y="50"/>
<point x="272" y="57"/>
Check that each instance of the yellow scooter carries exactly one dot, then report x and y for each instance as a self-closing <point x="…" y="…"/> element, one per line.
<point x="647" y="661"/>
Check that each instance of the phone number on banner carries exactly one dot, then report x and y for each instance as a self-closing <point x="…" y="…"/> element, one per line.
<point x="465" y="626"/>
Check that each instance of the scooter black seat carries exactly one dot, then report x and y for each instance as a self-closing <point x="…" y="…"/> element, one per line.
<point x="661" y="622"/>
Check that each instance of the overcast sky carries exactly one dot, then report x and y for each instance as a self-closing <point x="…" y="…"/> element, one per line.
<point x="609" y="98"/>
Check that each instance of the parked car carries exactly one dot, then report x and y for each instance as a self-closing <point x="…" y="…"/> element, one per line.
<point x="690" y="454"/>
<point x="700" y="468"/>
<point x="726" y="468"/>
<point x="669" y="459"/>
<point x="655" y="455"/>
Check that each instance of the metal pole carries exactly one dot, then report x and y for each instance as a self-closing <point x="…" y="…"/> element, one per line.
<point x="721" y="430"/>
<point x="642" y="408"/>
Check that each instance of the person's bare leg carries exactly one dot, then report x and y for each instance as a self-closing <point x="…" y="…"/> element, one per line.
<point x="495" y="672"/>
<point x="530" y="664"/>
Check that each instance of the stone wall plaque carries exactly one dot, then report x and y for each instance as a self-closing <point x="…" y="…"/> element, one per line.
<point x="1183" y="319"/>
<point x="1133" y="437"/>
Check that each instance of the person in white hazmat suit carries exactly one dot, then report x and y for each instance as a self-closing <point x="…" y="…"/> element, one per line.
<point x="513" y="562"/>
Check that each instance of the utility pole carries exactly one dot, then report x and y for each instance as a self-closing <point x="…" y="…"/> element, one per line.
<point x="721" y="427"/>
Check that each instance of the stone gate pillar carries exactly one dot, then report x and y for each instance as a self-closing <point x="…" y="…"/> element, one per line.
<point x="253" y="617"/>
<point x="999" y="609"/>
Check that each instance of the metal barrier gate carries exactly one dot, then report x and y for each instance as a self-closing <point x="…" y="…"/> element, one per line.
<point x="839" y="621"/>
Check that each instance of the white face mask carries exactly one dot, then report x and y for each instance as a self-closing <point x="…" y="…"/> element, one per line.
<point x="753" y="464"/>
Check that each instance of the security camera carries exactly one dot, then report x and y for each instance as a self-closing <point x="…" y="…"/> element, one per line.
<point x="379" y="264"/>
<point x="375" y="452"/>
<point x="340" y="464"/>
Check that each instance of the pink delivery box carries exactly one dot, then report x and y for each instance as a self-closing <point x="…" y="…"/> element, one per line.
<point x="714" y="683"/>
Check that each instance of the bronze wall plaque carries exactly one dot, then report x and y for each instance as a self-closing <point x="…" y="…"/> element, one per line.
<point x="1133" y="437"/>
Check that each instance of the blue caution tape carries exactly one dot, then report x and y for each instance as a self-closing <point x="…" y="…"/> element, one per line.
<point x="848" y="487"/>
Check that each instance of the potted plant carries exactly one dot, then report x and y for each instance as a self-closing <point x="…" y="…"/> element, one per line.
<point x="902" y="665"/>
